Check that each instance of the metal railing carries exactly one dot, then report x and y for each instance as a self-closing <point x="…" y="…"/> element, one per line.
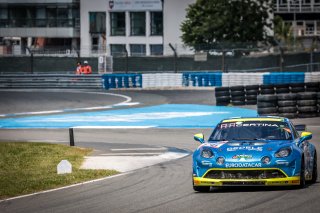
<point x="38" y="23"/>
<point x="50" y="81"/>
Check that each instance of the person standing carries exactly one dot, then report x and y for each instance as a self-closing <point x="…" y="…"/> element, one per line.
<point x="78" y="69"/>
<point x="86" y="68"/>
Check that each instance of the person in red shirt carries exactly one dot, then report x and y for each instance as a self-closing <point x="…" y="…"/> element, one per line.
<point x="86" y="68"/>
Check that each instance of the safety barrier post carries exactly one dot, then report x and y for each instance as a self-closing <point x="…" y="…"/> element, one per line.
<point x="71" y="136"/>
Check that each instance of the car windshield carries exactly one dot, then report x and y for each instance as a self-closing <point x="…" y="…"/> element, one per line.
<point x="251" y="130"/>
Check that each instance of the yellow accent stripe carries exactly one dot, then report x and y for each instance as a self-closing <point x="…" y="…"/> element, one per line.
<point x="267" y="182"/>
<point x="252" y="119"/>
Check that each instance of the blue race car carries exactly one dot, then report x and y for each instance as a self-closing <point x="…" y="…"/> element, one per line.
<point x="257" y="151"/>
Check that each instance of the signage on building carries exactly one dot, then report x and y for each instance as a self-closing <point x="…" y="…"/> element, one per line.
<point x="134" y="5"/>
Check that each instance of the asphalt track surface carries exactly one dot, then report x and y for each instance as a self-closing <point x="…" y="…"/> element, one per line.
<point x="164" y="187"/>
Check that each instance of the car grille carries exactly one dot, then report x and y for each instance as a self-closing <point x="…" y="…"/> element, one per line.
<point x="243" y="183"/>
<point x="244" y="174"/>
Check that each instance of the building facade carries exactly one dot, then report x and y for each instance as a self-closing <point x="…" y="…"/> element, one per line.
<point x="303" y="16"/>
<point x="133" y="27"/>
<point x="39" y="24"/>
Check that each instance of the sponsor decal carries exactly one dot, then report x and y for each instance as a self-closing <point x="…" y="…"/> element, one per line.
<point x="239" y="124"/>
<point x="206" y="163"/>
<point x="242" y="165"/>
<point x="242" y="157"/>
<point x="218" y="144"/>
<point x="247" y="148"/>
<point x="111" y="4"/>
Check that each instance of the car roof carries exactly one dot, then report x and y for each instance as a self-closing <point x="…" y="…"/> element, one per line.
<point x="261" y="118"/>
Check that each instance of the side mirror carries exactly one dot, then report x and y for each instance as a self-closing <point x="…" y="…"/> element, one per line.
<point x="305" y="136"/>
<point x="199" y="137"/>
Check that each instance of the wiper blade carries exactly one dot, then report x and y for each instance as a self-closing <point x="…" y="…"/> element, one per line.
<point x="249" y="139"/>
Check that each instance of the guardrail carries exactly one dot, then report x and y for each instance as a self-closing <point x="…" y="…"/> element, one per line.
<point x="51" y="81"/>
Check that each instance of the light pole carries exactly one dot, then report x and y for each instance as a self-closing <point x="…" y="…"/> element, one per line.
<point x="294" y="23"/>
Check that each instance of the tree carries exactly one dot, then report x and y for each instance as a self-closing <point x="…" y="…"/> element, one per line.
<point x="283" y="32"/>
<point x="213" y="22"/>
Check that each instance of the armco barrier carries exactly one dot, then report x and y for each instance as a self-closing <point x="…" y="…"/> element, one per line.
<point x="202" y="79"/>
<point x="51" y="81"/>
<point x="111" y="81"/>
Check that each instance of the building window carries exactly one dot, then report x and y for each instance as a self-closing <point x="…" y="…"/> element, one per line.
<point x="118" y="49"/>
<point x="138" y="49"/>
<point x="97" y="22"/>
<point x="138" y="23"/>
<point x="118" y="23"/>
<point x="156" y="23"/>
<point x="156" y="49"/>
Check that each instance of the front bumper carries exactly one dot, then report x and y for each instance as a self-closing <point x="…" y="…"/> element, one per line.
<point x="283" y="180"/>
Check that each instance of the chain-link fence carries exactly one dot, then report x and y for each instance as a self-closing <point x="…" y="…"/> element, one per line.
<point x="225" y="57"/>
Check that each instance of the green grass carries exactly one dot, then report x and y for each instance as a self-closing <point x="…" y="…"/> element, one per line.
<point x="31" y="167"/>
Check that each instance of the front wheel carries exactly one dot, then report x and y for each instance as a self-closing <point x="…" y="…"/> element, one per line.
<point x="314" y="169"/>
<point x="201" y="188"/>
<point x="302" y="174"/>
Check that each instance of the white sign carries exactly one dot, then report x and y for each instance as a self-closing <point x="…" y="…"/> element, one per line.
<point x="64" y="167"/>
<point x="134" y="5"/>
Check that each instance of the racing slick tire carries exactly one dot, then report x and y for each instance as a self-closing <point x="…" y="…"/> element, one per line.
<point x="237" y="93"/>
<point x="266" y="111"/>
<point x="288" y="115"/>
<point x="302" y="175"/>
<point x="297" y="87"/>
<point x="288" y="109"/>
<point x="307" y="109"/>
<point x="307" y="115"/>
<point x="266" y="104"/>
<point x="287" y="97"/>
<point x="306" y="96"/>
<point x="307" y="102"/>
<point x="220" y="89"/>
<point x="282" y="88"/>
<point x="314" y="169"/>
<point x="251" y="102"/>
<point x="201" y="188"/>
<point x="267" y="98"/>
<point x="287" y="103"/>
<point x="312" y="86"/>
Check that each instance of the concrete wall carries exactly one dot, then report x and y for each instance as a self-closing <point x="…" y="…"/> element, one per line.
<point x="174" y="13"/>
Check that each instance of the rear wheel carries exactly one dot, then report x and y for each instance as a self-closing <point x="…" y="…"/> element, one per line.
<point x="314" y="169"/>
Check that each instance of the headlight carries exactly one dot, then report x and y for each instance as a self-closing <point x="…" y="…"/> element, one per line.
<point x="206" y="153"/>
<point x="220" y="160"/>
<point x="284" y="152"/>
<point x="266" y="160"/>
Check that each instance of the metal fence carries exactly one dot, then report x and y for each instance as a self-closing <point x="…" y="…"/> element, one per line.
<point x="222" y="57"/>
<point x="51" y="81"/>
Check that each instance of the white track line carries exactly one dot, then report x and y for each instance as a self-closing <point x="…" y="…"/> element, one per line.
<point x="127" y="102"/>
<point x="140" y="149"/>
<point x="65" y="187"/>
<point x="113" y="127"/>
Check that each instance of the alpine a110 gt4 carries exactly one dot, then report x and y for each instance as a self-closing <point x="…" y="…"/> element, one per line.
<point x="255" y="151"/>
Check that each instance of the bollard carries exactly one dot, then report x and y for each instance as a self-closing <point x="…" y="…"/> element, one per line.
<point x="71" y="136"/>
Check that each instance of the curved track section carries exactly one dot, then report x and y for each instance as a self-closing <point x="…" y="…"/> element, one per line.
<point x="164" y="187"/>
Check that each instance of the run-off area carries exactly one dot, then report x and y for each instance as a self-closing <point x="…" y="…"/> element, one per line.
<point x="160" y="116"/>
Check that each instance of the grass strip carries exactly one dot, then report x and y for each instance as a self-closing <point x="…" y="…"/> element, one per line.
<point x="31" y="167"/>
